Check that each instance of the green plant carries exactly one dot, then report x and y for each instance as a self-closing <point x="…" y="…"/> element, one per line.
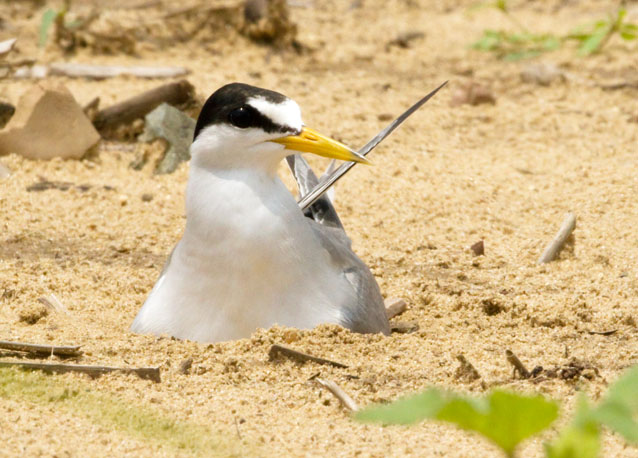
<point x="64" y="28"/>
<point x="593" y="37"/>
<point x="507" y="418"/>
<point x="48" y="18"/>
<point x="523" y="43"/>
<point x="137" y="420"/>
<point x="516" y="46"/>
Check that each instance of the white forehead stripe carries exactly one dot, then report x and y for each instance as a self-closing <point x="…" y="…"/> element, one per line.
<point x="285" y="114"/>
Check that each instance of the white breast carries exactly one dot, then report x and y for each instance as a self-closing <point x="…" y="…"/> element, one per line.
<point x="248" y="259"/>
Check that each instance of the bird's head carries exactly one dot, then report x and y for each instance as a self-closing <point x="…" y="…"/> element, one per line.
<point x="245" y="126"/>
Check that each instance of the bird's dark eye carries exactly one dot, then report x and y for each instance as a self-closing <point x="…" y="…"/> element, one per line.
<point x="241" y="117"/>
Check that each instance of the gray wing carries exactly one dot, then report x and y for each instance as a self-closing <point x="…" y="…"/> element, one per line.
<point x="367" y="312"/>
<point x="322" y="210"/>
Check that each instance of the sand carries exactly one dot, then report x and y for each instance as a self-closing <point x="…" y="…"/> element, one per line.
<point x="505" y="173"/>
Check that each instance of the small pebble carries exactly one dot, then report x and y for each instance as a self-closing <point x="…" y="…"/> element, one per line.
<point x="478" y="248"/>
<point x="472" y="93"/>
<point x="185" y="366"/>
<point x="394" y="306"/>
<point x="542" y="74"/>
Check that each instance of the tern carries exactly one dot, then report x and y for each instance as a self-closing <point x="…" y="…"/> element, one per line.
<point x="251" y="256"/>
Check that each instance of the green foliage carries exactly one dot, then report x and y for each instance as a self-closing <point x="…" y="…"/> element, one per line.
<point x="406" y="411"/>
<point x="524" y="44"/>
<point x="592" y="38"/>
<point x="619" y="409"/>
<point x="45" y="25"/>
<point x="134" y="419"/>
<point x="580" y="439"/>
<point x="516" y="46"/>
<point x="508" y="418"/>
<point x="504" y="418"/>
<point x="500" y="5"/>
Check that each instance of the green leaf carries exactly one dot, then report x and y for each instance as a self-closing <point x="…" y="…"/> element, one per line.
<point x="490" y="40"/>
<point x="501" y="5"/>
<point x="629" y="31"/>
<point x="47" y="20"/>
<point x="619" y="409"/>
<point x="580" y="439"/>
<point x="503" y="417"/>
<point x="405" y="411"/>
<point x="592" y="44"/>
<point x="620" y="16"/>
<point x="520" y="55"/>
<point x="551" y="43"/>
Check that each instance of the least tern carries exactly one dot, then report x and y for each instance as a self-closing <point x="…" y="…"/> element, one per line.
<point x="249" y="257"/>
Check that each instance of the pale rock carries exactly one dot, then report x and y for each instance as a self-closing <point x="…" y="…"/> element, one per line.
<point x="48" y="122"/>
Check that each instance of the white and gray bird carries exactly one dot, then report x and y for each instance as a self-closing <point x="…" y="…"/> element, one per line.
<point x="249" y="257"/>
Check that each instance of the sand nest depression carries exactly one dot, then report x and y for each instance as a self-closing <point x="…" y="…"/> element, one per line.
<point x="503" y="172"/>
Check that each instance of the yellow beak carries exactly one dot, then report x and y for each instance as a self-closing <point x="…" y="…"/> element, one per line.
<point x="311" y="141"/>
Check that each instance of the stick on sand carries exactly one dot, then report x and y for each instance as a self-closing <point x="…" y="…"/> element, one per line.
<point x="276" y="350"/>
<point x="517" y="364"/>
<point x="554" y="247"/>
<point x="37" y="349"/>
<point x="341" y="395"/>
<point x="137" y="107"/>
<point x="148" y="373"/>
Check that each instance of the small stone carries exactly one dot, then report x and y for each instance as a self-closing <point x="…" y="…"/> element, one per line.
<point x="185" y="366"/>
<point x="472" y="93"/>
<point x="478" y="248"/>
<point x="147" y="197"/>
<point x="385" y="117"/>
<point x="404" y="327"/>
<point x="6" y="112"/>
<point x="542" y="74"/>
<point x="394" y="306"/>
<point x="254" y="10"/>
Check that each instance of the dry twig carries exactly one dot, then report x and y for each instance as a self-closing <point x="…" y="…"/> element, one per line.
<point x="603" y="333"/>
<point x="75" y="70"/>
<point x="554" y="247"/>
<point x="137" y="107"/>
<point x="338" y="392"/>
<point x="466" y="371"/>
<point x="276" y="350"/>
<point x="518" y="365"/>
<point x="37" y="349"/>
<point x="619" y="85"/>
<point x="50" y="301"/>
<point x="148" y="373"/>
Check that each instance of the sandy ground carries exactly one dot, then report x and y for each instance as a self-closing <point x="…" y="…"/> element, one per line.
<point x="503" y="173"/>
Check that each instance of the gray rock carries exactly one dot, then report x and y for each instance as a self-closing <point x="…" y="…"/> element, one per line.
<point x="169" y="123"/>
